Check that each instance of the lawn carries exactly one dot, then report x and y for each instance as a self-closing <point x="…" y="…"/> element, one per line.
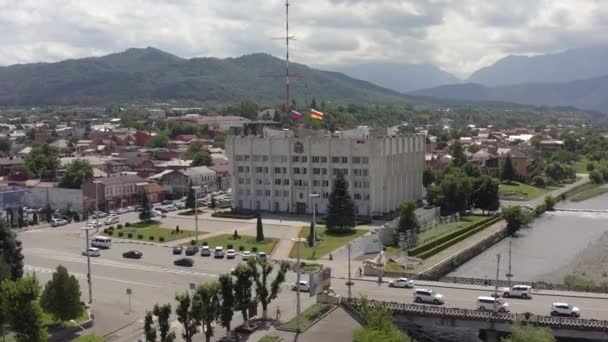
<point x="328" y="244"/>
<point x="248" y="242"/>
<point x="52" y="323"/>
<point x="270" y="339"/>
<point x="308" y="317"/>
<point x="588" y="191"/>
<point x="521" y="192"/>
<point x="151" y="232"/>
<point x="441" y="229"/>
<point x="89" y="338"/>
<point x="581" y="165"/>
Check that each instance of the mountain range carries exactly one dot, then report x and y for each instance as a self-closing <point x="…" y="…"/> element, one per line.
<point x="140" y="75"/>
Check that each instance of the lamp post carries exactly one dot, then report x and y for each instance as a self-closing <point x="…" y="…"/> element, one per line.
<point x="298" y="241"/>
<point x="349" y="283"/>
<point x="195" y="188"/>
<point x="314" y="218"/>
<point x="89" y="276"/>
<point x="509" y="275"/>
<point x="496" y="284"/>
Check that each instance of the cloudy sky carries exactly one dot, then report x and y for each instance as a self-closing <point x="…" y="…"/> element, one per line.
<point x="459" y="36"/>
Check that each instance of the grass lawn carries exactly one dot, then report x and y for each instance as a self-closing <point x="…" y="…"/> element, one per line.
<point x="441" y="229"/>
<point x="89" y="338"/>
<point x="190" y="212"/>
<point x="392" y="266"/>
<point x="308" y="317"/>
<point x="588" y="191"/>
<point x="248" y="242"/>
<point x="581" y="165"/>
<point x="328" y="244"/>
<point x="52" y="323"/>
<point x="521" y="192"/>
<point x="151" y="230"/>
<point x="270" y="339"/>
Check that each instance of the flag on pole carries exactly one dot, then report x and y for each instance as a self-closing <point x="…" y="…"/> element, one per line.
<point x="315" y="114"/>
<point x="296" y="115"/>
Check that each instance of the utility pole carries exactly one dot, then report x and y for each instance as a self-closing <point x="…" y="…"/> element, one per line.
<point x="89" y="276"/>
<point x="509" y="275"/>
<point x="298" y="288"/>
<point x="196" y="211"/>
<point x="287" y="39"/>
<point x="496" y="284"/>
<point x="314" y="218"/>
<point x="349" y="283"/>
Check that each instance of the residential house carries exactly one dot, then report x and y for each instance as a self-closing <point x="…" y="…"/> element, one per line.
<point x="114" y="192"/>
<point x="143" y="138"/>
<point x="222" y="176"/>
<point x="176" y="182"/>
<point x="7" y="163"/>
<point x="523" y="159"/>
<point x="550" y="146"/>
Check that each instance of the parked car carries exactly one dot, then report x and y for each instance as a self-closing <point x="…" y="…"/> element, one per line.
<point x="191" y="250"/>
<point x="93" y="251"/>
<point x="304" y="287"/>
<point x="521" y="291"/>
<point x="56" y="222"/>
<point x="219" y="252"/>
<point x="186" y="262"/>
<point x="162" y="210"/>
<point x="489" y="303"/>
<point x="156" y="213"/>
<point x="564" y="309"/>
<point x="178" y="250"/>
<point x="132" y="255"/>
<point x="246" y="255"/>
<point x="180" y="205"/>
<point x="261" y="256"/>
<point x="205" y="251"/>
<point x="401" y="282"/>
<point x="112" y="219"/>
<point x="230" y="254"/>
<point x="94" y="224"/>
<point x="100" y="213"/>
<point x="428" y="296"/>
<point x="166" y="202"/>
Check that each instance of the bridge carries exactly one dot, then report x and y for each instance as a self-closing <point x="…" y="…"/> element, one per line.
<point x="490" y="323"/>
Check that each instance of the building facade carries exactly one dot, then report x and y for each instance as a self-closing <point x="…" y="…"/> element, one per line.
<point x="278" y="173"/>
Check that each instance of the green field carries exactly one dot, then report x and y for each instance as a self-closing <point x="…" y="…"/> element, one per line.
<point x="308" y="317"/>
<point x="441" y="229"/>
<point x="148" y="230"/>
<point x="270" y="339"/>
<point x="328" y="244"/>
<point x="588" y="191"/>
<point x="51" y="323"/>
<point x="248" y="242"/>
<point x="581" y="165"/>
<point x="89" y="338"/>
<point x="521" y="192"/>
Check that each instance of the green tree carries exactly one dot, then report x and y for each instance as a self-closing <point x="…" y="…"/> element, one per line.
<point x="163" y="314"/>
<point x="428" y="177"/>
<point x="22" y="310"/>
<point x="61" y="296"/>
<point x="486" y="193"/>
<point x="191" y="198"/>
<point x="259" y="231"/>
<point x="20" y="170"/>
<point x="145" y="215"/>
<point x="455" y="192"/>
<point x="458" y="156"/>
<point x="261" y="272"/>
<point x="188" y="315"/>
<point x="227" y="301"/>
<point x="202" y="158"/>
<point x="527" y="333"/>
<point x="43" y="161"/>
<point x="311" y="235"/>
<point x="340" y="208"/>
<point x="550" y="202"/>
<point x="159" y="141"/>
<point x="508" y="171"/>
<point x="407" y="218"/>
<point x="207" y="296"/>
<point x="76" y="172"/>
<point x="596" y="177"/>
<point x="242" y="290"/>
<point x="515" y="217"/>
<point x="5" y="146"/>
<point x="472" y="170"/>
<point x="149" y="329"/>
<point x="590" y="166"/>
<point x="379" y="326"/>
<point x="474" y="148"/>
<point x="10" y="251"/>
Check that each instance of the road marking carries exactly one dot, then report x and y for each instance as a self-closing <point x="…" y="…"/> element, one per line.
<point x="83" y="276"/>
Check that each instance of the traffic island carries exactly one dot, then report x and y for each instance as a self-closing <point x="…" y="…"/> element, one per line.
<point x="308" y="317"/>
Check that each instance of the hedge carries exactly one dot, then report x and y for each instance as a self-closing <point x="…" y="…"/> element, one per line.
<point x="420" y="250"/>
<point x="240" y="216"/>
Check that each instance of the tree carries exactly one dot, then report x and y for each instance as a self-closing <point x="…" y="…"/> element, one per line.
<point x="159" y="141"/>
<point x="590" y="166"/>
<point x="515" y="217"/>
<point x="76" y="173"/>
<point x="145" y="215"/>
<point x="20" y="218"/>
<point x="202" y="158"/>
<point x="207" y="296"/>
<point x="454" y="193"/>
<point x="149" y="330"/>
<point x="191" y="198"/>
<point x="61" y="296"/>
<point x="5" y="146"/>
<point x="550" y="202"/>
<point x="22" y="310"/>
<point x="20" y="170"/>
<point x="188" y="315"/>
<point x="428" y="177"/>
<point x="407" y="218"/>
<point x="379" y="326"/>
<point x="261" y="271"/>
<point x="527" y="333"/>
<point x="340" y="208"/>
<point x="259" y="233"/>
<point x="472" y="170"/>
<point x="559" y="172"/>
<point x="474" y="148"/>
<point x="596" y="177"/>
<point x="43" y="160"/>
<point x="10" y="251"/>
<point x="508" y="171"/>
<point x="227" y="301"/>
<point x="486" y="193"/>
<point x="311" y="235"/>
<point x="163" y="314"/>
<point x="242" y="290"/>
<point x="458" y="156"/>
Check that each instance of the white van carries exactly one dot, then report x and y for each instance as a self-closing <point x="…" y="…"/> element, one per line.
<point x="219" y="252"/>
<point x="112" y="219"/>
<point x="101" y="242"/>
<point x="487" y="303"/>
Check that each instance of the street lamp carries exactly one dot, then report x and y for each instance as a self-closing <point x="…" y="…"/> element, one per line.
<point x="196" y="188"/>
<point x="509" y="275"/>
<point x="496" y="284"/>
<point x="89" y="276"/>
<point x="298" y="241"/>
<point x="314" y="218"/>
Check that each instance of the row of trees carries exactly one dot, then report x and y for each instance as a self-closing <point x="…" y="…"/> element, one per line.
<point x="215" y="302"/>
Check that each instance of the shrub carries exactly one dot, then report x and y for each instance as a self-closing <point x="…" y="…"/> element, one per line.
<point x="540" y="209"/>
<point x="106" y="230"/>
<point x="205" y="243"/>
<point x="241" y="248"/>
<point x="120" y="234"/>
<point x="127" y="224"/>
<point x="161" y="239"/>
<point x="596" y="177"/>
<point x="119" y="226"/>
<point x="254" y="249"/>
<point x="539" y="181"/>
<point x="590" y="166"/>
<point x="230" y="246"/>
<point x="151" y="237"/>
<point x="192" y="242"/>
<point x="111" y="227"/>
<point x="110" y="232"/>
<point x="130" y="235"/>
<point x="140" y="236"/>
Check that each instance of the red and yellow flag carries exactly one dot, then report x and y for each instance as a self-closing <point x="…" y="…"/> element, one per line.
<point x="315" y="114"/>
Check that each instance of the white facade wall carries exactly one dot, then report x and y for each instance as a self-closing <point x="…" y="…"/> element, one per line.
<point x="274" y="174"/>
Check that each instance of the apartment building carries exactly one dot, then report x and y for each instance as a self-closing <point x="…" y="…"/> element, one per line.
<point x="278" y="171"/>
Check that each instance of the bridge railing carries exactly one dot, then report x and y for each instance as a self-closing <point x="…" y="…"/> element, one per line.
<point x="440" y="311"/>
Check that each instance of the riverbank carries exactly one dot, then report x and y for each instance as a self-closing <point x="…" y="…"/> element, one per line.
<point x="587" y="191"/>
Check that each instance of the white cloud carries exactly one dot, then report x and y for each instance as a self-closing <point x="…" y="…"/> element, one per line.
<point x="458" y="35"/>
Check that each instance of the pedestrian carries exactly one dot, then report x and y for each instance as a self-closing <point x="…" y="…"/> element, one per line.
<point x="360" y="272"/>
<point x="278" y="313"/>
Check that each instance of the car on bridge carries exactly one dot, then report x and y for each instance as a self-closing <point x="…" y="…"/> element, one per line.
<point x="564" y="309"/>
<point x="520" y="291"/>
<point x="401" y="282"/>
<point x="428" y="296"/>
<point x="186" y="262"/>
<point x="490" y="304"/>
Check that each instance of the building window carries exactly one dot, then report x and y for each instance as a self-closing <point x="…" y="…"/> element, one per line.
<point x="323" y="159"/>
<point x="258" y="169"/>
<point x="284" y="170"/>
<point x="364" y="160"/>
<point x="295" y="159"/>
<point x="277" y="193"/>
<point x="239" y="157"/>
<point x="277" y="181"/>
<point x="241" y="181"/>
<point x="357" y="196"/>
<point x="296" y="170"/>
<point x="324" y="172"/>
<point x="258" y="193"/>
<point x="356" y="160"/>
<point x="264" y="158"/>
<point x="326" y="195"/>
<point x="304" y="159"/>
<point x="325" y="183"/>
<point x="357" y="172"/>
<point x="246" y="157"/>
<point x="285" y="181"/>
<point x="344" y="160"/>
<point x="247" y="169"/>
<point x="265" y="169"/>
<point x="356" y="184"/>
<point x="301" y="195"/>
<point x="259" y="181"/>
<point x="316" y="171"/>
<point x="267" y="193"/>
<point x="285" y="193"/>
<point x="315" y="182"/>
<point x="277" y="170"/>
<point x="315" y="159"/>
<point x="365" y="185"/>
<point x="248" y="192"/>
<point x="364" y="172"/>
<point x="304" y="170"/>
<point x="298" y="147"/>
<point x="344" y="172"/>
<point x="367" y="196"/>
<point x="335" y="160"/>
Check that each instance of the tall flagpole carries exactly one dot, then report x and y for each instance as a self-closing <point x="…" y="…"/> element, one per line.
<point x="287" y="38"/>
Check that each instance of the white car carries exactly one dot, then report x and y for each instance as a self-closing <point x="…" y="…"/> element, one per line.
<point x="246" y="255"/>
<point x="521" y="291"/>
<point x="564" y="309"/>
<point x="93" y="251"/>
<point x="428" y="296"/>
<point x="486" y="303"/>
<point x="261" y="256"/>
<point x="230" y="254"/>
<point x="401" y="282"/>
<point x="94" y="224"/>
<point x="303" y="286"/>
<point x="156" y="213"/>
<point x="112" y="219"/>
<point x="219" y="252"/>
<point x="56" y="222"/>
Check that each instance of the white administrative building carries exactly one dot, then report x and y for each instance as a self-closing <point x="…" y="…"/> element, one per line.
<point x="278" y="170"/>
